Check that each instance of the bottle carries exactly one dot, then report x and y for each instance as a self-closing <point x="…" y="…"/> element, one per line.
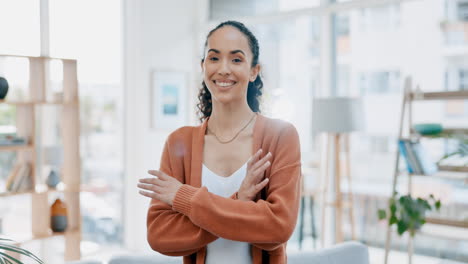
<point x="58" y="216"/>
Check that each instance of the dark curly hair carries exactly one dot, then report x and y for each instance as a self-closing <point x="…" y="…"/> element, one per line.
<point x="254" y="90"/>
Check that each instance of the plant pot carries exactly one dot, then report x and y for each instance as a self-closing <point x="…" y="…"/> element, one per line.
<point x="3" y="88"/>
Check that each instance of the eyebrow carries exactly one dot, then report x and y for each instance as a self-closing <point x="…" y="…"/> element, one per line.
<point x="232" y="52"/>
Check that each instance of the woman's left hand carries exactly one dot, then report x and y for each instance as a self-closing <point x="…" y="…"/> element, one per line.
<point x="162" y="187"/>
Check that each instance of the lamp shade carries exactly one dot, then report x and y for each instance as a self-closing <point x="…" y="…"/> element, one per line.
<point x="337" y="115"/>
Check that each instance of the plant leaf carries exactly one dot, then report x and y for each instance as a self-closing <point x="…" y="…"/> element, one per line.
<point x="402" y="227"/>
<point x="437" y="204"/>
<point x="382" y="214"/>
<point x="20" y="251"/>
<point x="393" y="220"/>
<point x="10" y="257"/>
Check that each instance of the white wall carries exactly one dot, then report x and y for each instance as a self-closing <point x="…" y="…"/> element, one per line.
<point x="157" y="35"/>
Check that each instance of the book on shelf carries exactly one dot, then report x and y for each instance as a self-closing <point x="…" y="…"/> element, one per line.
<point x="20" y="178"/>
<point x="416" y="157"/>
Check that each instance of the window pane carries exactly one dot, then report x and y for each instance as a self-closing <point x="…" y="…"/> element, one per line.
<point x="225" y="9"/>
<point x="19" y="27"/>
<point x="96" y="44"/>
<point x="289" y="56"/>
<point x="376" y="49"/>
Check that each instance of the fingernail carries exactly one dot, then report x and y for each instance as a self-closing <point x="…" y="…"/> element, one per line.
<point x="268" y="163"/>
<point x="260" y="150"/>
<point x="269" y="153"/>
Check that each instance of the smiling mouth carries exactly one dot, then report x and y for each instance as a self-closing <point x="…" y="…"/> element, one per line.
<point x="224" y="84"/>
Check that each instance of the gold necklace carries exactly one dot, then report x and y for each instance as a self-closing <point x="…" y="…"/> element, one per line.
<point x="225" y="142"/>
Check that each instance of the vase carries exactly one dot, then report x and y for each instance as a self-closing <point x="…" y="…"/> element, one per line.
<point x="53" y="179"/>
<point x="3" y="88"/>
<point x="58" y="213"/>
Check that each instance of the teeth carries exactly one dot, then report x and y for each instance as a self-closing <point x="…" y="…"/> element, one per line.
<point x="224" y="84"/>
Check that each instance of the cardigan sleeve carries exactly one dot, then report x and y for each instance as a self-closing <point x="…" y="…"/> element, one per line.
<point x="170" y="232"/>
<point x="264" y="223"/>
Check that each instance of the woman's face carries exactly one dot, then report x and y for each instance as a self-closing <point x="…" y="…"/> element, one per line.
<point x="227" y="67"/>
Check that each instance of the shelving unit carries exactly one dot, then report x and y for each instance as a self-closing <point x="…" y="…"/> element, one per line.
<point x="29" y="121"/>
<point x="447" y="172"/>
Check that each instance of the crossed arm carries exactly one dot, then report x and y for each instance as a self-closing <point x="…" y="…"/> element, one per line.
<point x="182" y="218"/>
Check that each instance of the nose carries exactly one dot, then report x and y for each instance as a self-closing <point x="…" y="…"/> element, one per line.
<point x="224" y="68"/>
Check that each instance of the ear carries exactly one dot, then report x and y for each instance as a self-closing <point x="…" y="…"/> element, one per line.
<point x="254" y="71"/>
<point x="201" y="64"/>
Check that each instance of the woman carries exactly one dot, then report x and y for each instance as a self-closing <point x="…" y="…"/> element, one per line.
<point x="228" y="190"/>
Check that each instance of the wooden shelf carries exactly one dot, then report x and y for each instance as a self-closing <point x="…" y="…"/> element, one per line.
<point x="444" y="174"/>
<point x="450" y="95"/>
<point x="447" y="222"/>
<point x="34" y="57"/>
<point x="24" y="147"/>
<point x="40" y="189"/>
<point x="447" y="132"/>
<point x="20" y="103"/>
<point x="28" y="115"/>
<point x="22" y="239"/>
<point x="455" y="169"/>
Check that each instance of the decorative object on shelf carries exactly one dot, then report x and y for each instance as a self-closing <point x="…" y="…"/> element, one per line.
<point x="53" y="179"/>
<point x="12" y="140"/>
<point x="6" y="246"/>
<point x="428" y="129"/>
<point x="168" y="100"/>
<point x="408" y="214"/>
<point x="3" y="88"/>
<point x="58" y="213"/>
<point x="337" y="117"/>
<point x="53" y="158"/>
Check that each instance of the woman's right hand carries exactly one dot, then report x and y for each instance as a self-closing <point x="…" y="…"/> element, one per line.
<point x="253" y="181"/>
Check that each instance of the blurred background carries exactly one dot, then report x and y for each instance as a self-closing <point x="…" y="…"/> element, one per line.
<point x="308" y="49"/>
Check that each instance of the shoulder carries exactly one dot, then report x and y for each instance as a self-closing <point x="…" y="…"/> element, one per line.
<point x="183" y="134"/>
<point x="279" y="127"/>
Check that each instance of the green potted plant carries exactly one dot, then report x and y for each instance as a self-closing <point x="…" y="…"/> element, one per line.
<point x="6" y="245"/>
<point x="408" y="214"/>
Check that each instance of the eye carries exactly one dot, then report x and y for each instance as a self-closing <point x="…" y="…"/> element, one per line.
<point x="237" y="60"/>
<point x="213" y="59"/>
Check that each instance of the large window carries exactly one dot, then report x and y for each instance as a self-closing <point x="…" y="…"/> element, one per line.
<point x="289" y="53"/>
<point x="388" y="43"/>
<point x="375" y="46"/>
<point x="19" y="27"/>
<point x="226" y="9"/>
<point x="89" y="31"/>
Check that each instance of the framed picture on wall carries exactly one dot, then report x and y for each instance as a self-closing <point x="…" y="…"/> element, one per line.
<point x="168" y="99"/>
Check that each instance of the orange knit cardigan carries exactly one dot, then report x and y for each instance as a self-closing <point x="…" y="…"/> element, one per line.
<point x="199" y="217"/>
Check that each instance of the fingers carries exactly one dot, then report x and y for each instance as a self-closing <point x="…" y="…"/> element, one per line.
<point x="262" y="162"/>
<point x="150" y="187"/>
<point x="254" y="158"/>
<point x="261" y="185"/>
<point x="161" y="175"/>
<point x="155" y="181"/>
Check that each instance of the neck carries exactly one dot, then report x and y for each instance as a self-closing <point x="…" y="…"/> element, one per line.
<point x="227" y="120"/>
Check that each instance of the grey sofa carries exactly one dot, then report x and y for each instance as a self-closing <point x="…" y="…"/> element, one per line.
<point x="348" y="252"/>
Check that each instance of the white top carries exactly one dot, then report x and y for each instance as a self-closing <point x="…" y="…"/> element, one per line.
<point x="223" y="250"/>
